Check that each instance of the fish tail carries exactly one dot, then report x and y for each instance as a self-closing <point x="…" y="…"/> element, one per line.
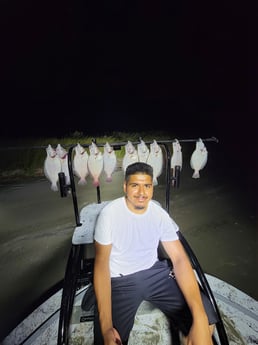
<point x="155" y="181"/>
<point x="196" y="174"/>
<point x="82" y="181"/>
<point x="95" y="183"/>
<point x="54" y="187"/>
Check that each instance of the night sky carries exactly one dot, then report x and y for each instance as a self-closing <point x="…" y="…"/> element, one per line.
<point x="98" y="67"/>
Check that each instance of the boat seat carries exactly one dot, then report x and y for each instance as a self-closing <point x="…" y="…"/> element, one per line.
<point x="83" y="234"/>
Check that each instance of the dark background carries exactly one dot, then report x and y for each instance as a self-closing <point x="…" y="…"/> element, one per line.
<point x="184" y="67"/>
<point x="99" y="67"/>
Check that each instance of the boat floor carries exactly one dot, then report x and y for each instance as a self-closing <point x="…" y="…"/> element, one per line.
<point x="239" y="313"/>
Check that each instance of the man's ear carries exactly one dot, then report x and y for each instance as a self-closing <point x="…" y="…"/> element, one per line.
<point x="124" y="187"/>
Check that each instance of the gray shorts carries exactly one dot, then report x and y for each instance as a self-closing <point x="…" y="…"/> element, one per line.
<point x="157" y="286"/>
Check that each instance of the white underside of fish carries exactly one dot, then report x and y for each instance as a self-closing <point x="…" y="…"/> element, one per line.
<point x="156" y="161"/>
<point x="52" y="166"/>
<point x="198" y="161"/>
<point x="177" y="157"/>
<point x="109" y="162"/>
<point x="95" y="166"/>
<point x="129" y="159"/>
<point x="80" y="167"/>
<point x="143" y="152"/>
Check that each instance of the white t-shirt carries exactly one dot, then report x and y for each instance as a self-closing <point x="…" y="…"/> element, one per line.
<point x="134" y="237"/>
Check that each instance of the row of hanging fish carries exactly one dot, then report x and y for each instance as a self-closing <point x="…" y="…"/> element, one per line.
<point x="95" y="162"/>
<point x="198" y="158"/>
<point x="153" y="156"/>
<point x="84" y="164"/>
<point x="55" y="162"/>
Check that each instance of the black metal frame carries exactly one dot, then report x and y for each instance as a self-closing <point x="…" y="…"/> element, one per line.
<point x="75" y="259"/>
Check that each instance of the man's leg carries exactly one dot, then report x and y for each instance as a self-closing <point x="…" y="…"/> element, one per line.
<point x="163" y="292"/>
<point x="126" y="298"/>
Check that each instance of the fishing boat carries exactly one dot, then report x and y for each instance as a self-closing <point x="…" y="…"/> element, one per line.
<point x="66" y="316"/>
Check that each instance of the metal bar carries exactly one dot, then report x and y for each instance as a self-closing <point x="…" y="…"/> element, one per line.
<point x="68" y="294"/>
<point x="168" y="175"/>
<point x="72" y="185"/>
<point x="166" y="141"/>
<point x="98" y="195"/>
<point x="206" y="287"/>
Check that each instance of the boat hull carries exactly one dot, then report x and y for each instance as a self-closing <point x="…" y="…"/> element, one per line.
<point x="238" y="311"/>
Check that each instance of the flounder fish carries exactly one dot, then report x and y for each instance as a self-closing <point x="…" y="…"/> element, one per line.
<point x="95" y="163"/>
<point x="62" y="154"/>
<point x="176" y="159"/>
<point x="52" y="166"/>
<point x="110" y="161"/>
<point x="155" y="159"/>
<point x="143" y="151"/>
<point x="80" y="163"/>
<point x="199" y="158"/>
<point x="131" y="155"/>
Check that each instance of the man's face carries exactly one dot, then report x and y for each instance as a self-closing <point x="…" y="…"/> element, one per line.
<point x="138" y="191"/>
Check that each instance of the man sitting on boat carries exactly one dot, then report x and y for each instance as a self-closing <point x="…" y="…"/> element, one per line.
<point x="127" y="269"/>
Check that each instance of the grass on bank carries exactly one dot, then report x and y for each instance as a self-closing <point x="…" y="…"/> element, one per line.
<point x="25" y="157"/>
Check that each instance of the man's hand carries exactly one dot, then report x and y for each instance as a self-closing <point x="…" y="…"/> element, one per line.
<point x="199" y="334"/>
<point x="112" y="337"/>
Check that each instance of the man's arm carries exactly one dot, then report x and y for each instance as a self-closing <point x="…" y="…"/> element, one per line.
<point x="102" y="287"/>
<point x="185" y="277"/>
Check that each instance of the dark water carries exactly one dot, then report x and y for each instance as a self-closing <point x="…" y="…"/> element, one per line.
<point x="216" y="214"/>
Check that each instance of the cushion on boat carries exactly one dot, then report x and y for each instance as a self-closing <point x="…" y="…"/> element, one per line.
<point x="83" y="234"/>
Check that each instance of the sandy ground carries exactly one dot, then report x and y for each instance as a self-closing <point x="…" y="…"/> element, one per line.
<point x="216" y="214"/>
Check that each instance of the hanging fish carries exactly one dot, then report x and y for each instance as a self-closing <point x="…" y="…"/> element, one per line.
<point x="80" y="164"/>
<point x="95" y="163"/>
<point x="110" y="161"/>
<point x="176" y="159"/>
<point x="199" y="158"/>
<point x="155" y="159"/>
<point x="63" y="156"/>
<point x="131" y="155"/>
<point x="143" y="151"/>
<point x="52" y="166"/>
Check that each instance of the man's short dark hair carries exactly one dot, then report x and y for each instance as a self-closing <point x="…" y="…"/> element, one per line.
<point x="138" y="167"/>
